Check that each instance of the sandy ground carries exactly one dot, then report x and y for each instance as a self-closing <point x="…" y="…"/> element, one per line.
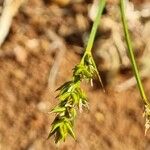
<point x="114" y="121"/>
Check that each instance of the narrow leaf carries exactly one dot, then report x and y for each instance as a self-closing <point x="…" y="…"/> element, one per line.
<point x="70" y="130"/>
<point x="58" y="109"/>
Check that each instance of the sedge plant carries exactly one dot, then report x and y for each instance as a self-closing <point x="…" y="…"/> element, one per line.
<point x="71" y="96"/>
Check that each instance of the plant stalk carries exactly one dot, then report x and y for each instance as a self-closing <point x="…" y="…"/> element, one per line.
<point x="131" y="54"/>
<point x="97" y="20"/>
<point x="91" y="39"/>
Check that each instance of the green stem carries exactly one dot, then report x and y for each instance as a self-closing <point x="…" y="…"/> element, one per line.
<point x="97" y="20"/>
<point x="101" y="6"/>
<point x="131" y="54"/>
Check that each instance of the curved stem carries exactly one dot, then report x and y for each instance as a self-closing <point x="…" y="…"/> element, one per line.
<point x="131" y="55"/>
<point x="97" y="20"/>
<point x="101" y="7"/>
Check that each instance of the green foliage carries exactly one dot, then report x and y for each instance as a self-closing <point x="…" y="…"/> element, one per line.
<point x="86" y="69"/>
<point x="61" y="127"/>
<point x="71" y="96"/>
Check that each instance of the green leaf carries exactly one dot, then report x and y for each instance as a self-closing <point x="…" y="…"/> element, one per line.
<point x="88" y="60"/>
<point x="58" y="109"/>
<point x="63" y="131"/>
<point x="64" y="96"/>
<point x="73" y="112"/>
<point x="66" y="84"/>
<point x="75" y="97"/>
<point x="87" y="74"/>
<point x="54" y="127"/>
<point x="70" y="130"/>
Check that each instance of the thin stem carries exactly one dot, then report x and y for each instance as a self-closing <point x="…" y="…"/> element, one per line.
<point x="97" y="20"/>
<point x="131" y="55"/>
<point x="101" y="7"/>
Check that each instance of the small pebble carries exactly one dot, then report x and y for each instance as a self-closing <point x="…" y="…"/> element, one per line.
<point x="32" y="43"/>
<point x="82" y="22"/>
<point x="20" y="54"/>
<point x="99" y="117"/>
<point x="42" y="106"/>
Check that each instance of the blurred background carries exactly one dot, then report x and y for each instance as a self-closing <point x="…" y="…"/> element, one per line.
<point x="41" y="41"/>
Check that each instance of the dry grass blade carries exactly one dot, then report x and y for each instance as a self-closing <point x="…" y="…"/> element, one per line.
<point x="10" y="8"/>
<point x="58" y="43"/>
